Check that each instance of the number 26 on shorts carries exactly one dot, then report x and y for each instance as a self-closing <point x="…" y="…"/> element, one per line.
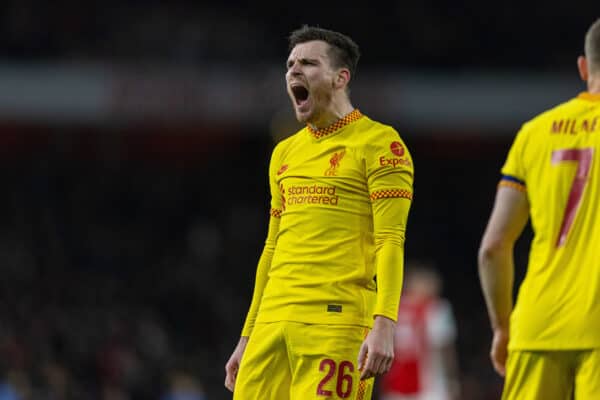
<point x="342" y="375"/>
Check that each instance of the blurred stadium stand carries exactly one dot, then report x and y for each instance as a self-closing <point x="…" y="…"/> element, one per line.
<point x="134" y="141"/>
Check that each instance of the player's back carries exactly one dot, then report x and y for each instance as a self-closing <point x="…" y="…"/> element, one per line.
<point x="556" y="156"/>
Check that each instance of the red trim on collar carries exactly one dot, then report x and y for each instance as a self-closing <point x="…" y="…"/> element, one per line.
<point x="337" y="125"/>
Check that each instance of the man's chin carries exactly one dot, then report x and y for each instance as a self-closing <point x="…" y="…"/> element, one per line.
<point x="302" y="117"/>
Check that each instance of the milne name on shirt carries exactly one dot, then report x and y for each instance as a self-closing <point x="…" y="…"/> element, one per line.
<point x="575" y="126"/>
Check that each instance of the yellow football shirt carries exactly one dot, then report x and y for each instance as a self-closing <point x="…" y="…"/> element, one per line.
<point x="339" y="205"/>
<point x="555" y="158"/>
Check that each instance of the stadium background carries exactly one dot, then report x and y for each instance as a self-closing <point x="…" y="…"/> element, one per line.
<point x="134" y="141"/>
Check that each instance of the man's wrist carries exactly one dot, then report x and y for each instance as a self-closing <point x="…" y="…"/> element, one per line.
<point x="500" y="325"/>
<point x="382" y="320"/>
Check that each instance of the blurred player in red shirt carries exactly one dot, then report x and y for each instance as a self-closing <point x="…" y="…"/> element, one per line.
<point x="425" y="366"/>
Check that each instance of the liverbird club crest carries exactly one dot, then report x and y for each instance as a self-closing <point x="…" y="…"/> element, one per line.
<point x="334" y="163"/>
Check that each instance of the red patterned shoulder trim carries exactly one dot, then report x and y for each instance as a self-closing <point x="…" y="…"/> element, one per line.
<point x="391" y="193"/>
<point x="275" y="213"/>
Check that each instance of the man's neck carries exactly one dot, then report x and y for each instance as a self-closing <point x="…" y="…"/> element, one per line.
<point x="332" y="114"/>
<point x="594" y="84"/>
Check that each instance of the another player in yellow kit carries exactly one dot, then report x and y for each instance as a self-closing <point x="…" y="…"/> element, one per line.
<point x="321" y="321"/>
<point x="549" y="345"/>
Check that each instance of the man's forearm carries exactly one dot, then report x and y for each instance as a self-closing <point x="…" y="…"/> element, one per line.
<point x="390" y="271"/>
<point x="496" y="273"/>
<point x="262" y="275"/>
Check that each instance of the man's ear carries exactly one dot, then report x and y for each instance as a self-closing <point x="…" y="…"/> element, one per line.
<point x="342" y="78"/>
<point x="582" y="66"/>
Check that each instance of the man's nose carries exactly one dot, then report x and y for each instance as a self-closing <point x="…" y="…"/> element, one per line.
<point x="294" y="69"/>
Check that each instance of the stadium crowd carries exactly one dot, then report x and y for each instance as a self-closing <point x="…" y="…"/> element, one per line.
<point x="123" y="273"/>
<point x="431" y="34"/>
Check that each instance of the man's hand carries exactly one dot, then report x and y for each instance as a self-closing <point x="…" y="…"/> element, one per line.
<point x="499" y="351"/>
<point x="233" y="365"/>
<point x="377" y="351"/>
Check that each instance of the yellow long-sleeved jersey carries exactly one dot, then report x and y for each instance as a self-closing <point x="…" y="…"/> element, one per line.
<point x="340" y="198"/>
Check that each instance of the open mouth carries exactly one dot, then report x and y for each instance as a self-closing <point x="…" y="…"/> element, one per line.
<point x="300" y="94"/>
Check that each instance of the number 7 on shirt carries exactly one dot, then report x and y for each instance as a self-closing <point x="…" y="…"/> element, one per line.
<point x="584" y="162"/>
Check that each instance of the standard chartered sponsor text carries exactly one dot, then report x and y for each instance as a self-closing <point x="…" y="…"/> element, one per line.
<point x="312" y="194"/>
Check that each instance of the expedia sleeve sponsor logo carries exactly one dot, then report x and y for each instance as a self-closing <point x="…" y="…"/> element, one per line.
<point x="312" y="194"/>
<point x="393" y="162"/>
<point x="397" y="148"/>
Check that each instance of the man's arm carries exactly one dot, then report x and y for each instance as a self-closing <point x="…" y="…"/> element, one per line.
<point x="377" y="351"/>
<point x="262" y="277"/>
<point x="496" y="265"/>
<point x="262" y="274"/>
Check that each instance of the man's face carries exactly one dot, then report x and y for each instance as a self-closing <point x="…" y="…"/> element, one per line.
<point x="310" y="79"/>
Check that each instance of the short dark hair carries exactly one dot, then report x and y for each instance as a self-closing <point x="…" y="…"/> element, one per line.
<point x="344" y="52"/>
<point x="592" y="47"/>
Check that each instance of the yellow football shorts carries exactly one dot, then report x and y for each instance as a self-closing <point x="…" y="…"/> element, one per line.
<point x="548" y="375"/>
<point x="295" y="361"/>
